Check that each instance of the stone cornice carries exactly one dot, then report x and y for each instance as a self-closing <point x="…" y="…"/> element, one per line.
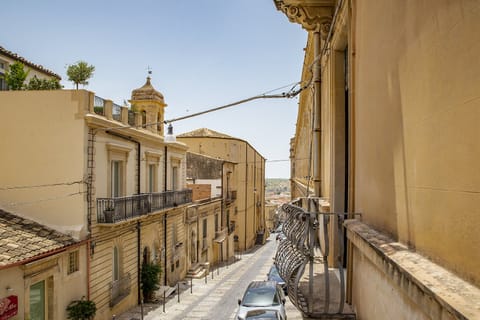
<point x="313" y="15"/>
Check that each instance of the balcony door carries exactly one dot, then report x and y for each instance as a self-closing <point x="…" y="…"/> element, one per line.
<point x="116" y="178"/>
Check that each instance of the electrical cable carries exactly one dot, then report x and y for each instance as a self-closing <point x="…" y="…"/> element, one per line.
<point x="14" y="204"/>
<point x="42" y="185"/>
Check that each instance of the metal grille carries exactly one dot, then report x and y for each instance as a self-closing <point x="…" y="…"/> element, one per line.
<point x="316" y="288"/>
<point x="111" y="210"/>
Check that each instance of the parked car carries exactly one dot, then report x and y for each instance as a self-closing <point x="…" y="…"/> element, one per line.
<point x="273" y="275"/>
<point x="263" y="314"/>
<point x="267" y="295"/>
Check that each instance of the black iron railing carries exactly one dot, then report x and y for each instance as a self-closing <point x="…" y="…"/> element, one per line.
<point x="112" y="210"/>
<point x="310" y="259"/>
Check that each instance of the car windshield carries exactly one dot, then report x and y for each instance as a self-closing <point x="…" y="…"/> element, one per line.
<point x="260" y="297"/>
<point x="262" y="314"/>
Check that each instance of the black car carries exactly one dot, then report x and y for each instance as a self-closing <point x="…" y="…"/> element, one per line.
<point x="273" y="275"/>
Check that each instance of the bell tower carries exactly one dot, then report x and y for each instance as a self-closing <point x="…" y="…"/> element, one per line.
<point x="151" y="104"/>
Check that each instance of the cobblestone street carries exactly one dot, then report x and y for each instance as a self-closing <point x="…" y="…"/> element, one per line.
<point x="216" y="299"/>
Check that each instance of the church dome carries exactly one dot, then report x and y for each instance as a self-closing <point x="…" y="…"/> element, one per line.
<point x="147" y="92"/>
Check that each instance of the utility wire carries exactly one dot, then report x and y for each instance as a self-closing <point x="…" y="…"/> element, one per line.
<point x="42" y="185"/>
<point x="290" y="94"/>
<point x="14" y="204"/>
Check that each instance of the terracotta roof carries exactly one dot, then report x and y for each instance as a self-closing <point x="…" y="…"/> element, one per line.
<point x="204" y="132"/>
<point x="22" y="239"/>
<point x="15" y="56"/>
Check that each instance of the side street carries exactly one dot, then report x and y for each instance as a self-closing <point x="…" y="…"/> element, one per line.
<point x="253" y="159"/>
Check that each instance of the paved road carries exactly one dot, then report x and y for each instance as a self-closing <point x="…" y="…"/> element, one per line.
<point x="217" y="299"/>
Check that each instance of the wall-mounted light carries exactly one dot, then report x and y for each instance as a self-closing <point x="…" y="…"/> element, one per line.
<point x="9" y="289"/>
<point x="170" y="137"/>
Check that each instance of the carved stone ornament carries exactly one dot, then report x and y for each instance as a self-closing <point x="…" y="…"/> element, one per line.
<point x="311" y="17"/>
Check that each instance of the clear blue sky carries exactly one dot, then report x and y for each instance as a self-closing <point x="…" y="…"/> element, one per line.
<point x="203" y="54"/>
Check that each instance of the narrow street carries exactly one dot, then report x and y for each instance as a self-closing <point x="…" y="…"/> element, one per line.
<point x="217" y="299"/>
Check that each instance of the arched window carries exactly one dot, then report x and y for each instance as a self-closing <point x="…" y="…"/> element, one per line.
<point x="146" y="255"/>
<point x="116" y="264"/>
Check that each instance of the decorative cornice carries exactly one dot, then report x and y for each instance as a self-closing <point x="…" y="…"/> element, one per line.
<point x="312" y="15"/>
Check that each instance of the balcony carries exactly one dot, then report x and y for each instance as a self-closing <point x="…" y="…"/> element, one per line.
<point x="310" y="260"/>
<point x="112" y="210"/>
<point x="119" y="289"/>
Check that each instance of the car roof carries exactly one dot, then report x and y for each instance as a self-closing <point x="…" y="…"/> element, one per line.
<point x="262" y="284"/>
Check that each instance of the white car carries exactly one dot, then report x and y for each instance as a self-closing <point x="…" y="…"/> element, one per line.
<point x="267" y="295"/>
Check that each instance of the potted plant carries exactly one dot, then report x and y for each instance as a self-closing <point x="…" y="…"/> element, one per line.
<point x="109" y="214"/>
<point x="81" y="309"/>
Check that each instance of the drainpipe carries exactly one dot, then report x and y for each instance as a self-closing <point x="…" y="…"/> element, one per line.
<point x="139" y="269"/>
<point x="165" y="248"/>
<point x="246" y="196"/>
<point x="317" y="105"/>
<point x="165" y="170"/>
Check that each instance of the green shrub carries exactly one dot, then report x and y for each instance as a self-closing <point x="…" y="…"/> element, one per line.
<point x="81" y="310"/>
<point x="150" y="279"/>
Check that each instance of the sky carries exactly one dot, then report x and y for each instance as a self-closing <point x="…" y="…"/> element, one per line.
<point x="202" y="54"/>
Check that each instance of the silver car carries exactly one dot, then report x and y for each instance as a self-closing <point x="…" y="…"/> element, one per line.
<point x="266" y="295"/>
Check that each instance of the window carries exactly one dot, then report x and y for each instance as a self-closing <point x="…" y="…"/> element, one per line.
<point x="204" y="229"/>
<point x="117" y="164"/>
<point x="151" y="169"/>
<point x="216" y="222"/>
<point x="174" y="178"/>
<point x="116" y="175"/>
<point x="152" y="177"/>
<point x="3" y="84"/>
<point x="73" y="262"/>
<point x="116" y="264"/>
<point x="37" y="301"/>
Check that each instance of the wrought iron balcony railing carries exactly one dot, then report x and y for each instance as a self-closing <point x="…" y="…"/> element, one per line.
<point x="312" y="239"/>
<point x="112" y="210"/>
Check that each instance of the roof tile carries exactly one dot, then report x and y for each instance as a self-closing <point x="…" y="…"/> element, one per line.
<point x="21" y="239"/>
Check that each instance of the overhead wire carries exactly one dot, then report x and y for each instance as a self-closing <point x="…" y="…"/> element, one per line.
<point x="42" y="185"/>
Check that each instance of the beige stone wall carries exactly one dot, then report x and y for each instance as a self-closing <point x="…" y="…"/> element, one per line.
<point x="13" y="278"/>
<point x="416" y="132"/>
<point x="412" y="132"/>
<point x="61" y="288"/>
<point x="43" y="147"/>
<point x="247" y="179"/>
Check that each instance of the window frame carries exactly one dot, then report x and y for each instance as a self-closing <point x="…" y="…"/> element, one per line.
<point x="73" y="262"/>
<point x="118" y="154"/>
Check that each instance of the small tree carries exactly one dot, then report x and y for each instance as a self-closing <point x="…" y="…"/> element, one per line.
<point x="15" y="76"/>
<point x="150" y="279"/>
<point x="80" y="72"/>
<point x="43" y="84"/>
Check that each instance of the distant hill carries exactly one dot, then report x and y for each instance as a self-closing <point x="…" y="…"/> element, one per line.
<point x="277" y="186"/>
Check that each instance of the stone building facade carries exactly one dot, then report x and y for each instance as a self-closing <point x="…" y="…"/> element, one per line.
<point x="393" y="108"/>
